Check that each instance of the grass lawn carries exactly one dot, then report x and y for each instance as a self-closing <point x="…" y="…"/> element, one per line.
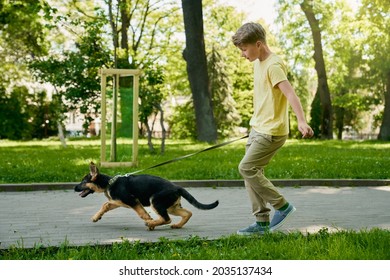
<point x="346" y="245"/>
<point x="48" y="161"/>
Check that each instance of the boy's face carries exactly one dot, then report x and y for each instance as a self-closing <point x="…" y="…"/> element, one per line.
<point x="250" y="51"/>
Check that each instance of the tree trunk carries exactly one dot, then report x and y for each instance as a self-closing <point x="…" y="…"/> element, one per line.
<point x="61" y="134"/>
<point x="113" y="21"/>
<point x="384" y="133"/>
<point x="339" y="112"/>
<point x="149" y="131"/>
<point x="315" y="115"/>
<point x="323" y="89"/>
<point x="163" y="130"/>
<point x="195" y="56"/>
<point x="124" y="8"/>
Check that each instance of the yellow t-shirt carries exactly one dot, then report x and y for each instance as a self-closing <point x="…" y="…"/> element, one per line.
<point x="270" y="106"/>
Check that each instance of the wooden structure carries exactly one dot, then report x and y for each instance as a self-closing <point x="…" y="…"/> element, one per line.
<point x="116" y="74"/>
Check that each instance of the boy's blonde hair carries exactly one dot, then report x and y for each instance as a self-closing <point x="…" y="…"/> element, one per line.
<point x="249" y="33"/>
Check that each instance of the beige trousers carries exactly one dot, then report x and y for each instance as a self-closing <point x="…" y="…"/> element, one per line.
<point x="260" y="148"/>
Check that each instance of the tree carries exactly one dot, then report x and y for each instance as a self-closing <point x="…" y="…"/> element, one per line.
<point x="323" y="88"/>
<point x="14" y="115"/>
<point x="226" y="115"/>
<point x="227" y="72"/>
<point x="21" y="27"/>
<point x="349" y="98"/>
<point x="140" y="29"/>
<point x="375" y="50"/>
<point x="22" y="37"/>
<point x="355" y="90"/>
<point x="297" y="51"/>
<point x="195" y="56"/>
<point x="74" y="74"/>
<point x="151" y="98"/>
<point x="223" y="61"/>
<point x="24" y="116"/>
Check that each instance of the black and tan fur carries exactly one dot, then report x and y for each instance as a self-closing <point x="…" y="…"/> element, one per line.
<point x="137" y="192"/>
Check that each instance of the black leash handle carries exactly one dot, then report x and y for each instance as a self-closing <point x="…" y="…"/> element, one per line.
<point x="189" y="155"/>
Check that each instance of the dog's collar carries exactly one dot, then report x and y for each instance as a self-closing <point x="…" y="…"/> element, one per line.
<point x="116" y="177"/>
<point x="112" y="181"/>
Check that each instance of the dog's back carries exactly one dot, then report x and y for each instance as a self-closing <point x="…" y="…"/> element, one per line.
<point x="148" y="187"/>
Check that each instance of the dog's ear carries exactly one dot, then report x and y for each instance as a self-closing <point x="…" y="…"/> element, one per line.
<point x="94" y="171"/>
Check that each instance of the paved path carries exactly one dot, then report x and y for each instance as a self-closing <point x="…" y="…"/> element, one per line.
<point x="50" y="217"/>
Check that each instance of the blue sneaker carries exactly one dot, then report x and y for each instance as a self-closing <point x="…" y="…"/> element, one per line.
<point x="280" y="217"/>
<point x="253" y="229"/>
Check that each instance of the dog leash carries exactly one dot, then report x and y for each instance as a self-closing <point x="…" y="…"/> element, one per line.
<point x="113" y="179"/>
<point x="189" y="155"/>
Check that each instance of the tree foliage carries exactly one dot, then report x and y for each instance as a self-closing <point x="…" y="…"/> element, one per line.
<point x="375" y="59"/>
<point x="152" y="95"/>
<point x="21" y="27"/>
<point x="140" y="31"/>
<point x="25" y="116"/>
<point x="347" y="55"/>
<point x="24" y="112"/>
<point x="74" y="74"/>
<point x="224" y="106"/>
<point x="66" y="42"/>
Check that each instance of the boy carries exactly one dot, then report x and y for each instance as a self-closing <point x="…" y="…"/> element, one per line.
<point x="269" y="127"/>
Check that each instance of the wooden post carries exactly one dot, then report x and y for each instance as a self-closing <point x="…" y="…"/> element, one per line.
<point x="103" y="84"/>
<point x="117" y="73"/>
<point x="135" y="119"/>
<point x="114" y="117"/>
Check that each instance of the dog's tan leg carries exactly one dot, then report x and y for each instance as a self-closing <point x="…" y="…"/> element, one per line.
<point x="177" y="210"/>
<point x="105" y="208"/>
<point x="141" y="212"/>
<point x="159" y="221"/>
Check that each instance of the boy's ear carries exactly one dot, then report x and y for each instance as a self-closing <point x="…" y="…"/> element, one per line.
<point x="94" y="171"/>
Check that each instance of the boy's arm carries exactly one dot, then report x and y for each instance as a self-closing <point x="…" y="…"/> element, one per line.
<point x="295" y="103"/>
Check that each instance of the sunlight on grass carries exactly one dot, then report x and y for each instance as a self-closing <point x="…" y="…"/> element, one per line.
<point x="49" y="161"/>
<point x="42" y="143"/>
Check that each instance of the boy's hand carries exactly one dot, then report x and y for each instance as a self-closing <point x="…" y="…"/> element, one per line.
<point x="306" y="130"/>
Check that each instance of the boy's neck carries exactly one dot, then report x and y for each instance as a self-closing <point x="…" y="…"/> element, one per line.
<point x="265" y="52"/>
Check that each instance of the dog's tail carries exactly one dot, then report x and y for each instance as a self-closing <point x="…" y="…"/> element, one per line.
<point x="196" y="203"/>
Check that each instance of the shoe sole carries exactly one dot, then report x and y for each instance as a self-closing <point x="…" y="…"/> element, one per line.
<point x="275" y="227"/>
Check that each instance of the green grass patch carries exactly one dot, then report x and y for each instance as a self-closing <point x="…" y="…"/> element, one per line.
<point x="343" y="245"/>
<point x="48" y="161"/>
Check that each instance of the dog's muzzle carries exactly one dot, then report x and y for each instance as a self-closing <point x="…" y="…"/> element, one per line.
<point x="84" y="191"/>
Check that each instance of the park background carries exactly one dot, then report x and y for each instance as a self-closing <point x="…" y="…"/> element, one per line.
<point x="337" y="53"/>
<point x="50" y="55"/>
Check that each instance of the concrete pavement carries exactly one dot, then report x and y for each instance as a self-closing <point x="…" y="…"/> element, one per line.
<point x="51" y="217"/>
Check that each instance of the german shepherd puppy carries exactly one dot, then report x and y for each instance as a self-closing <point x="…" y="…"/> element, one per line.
<point x="137" y="192"/>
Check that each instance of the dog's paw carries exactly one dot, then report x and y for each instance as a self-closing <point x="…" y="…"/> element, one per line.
<point x="176" y="226"/>
<point x="95" y="219"/>
<point x="150" y="224"/>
